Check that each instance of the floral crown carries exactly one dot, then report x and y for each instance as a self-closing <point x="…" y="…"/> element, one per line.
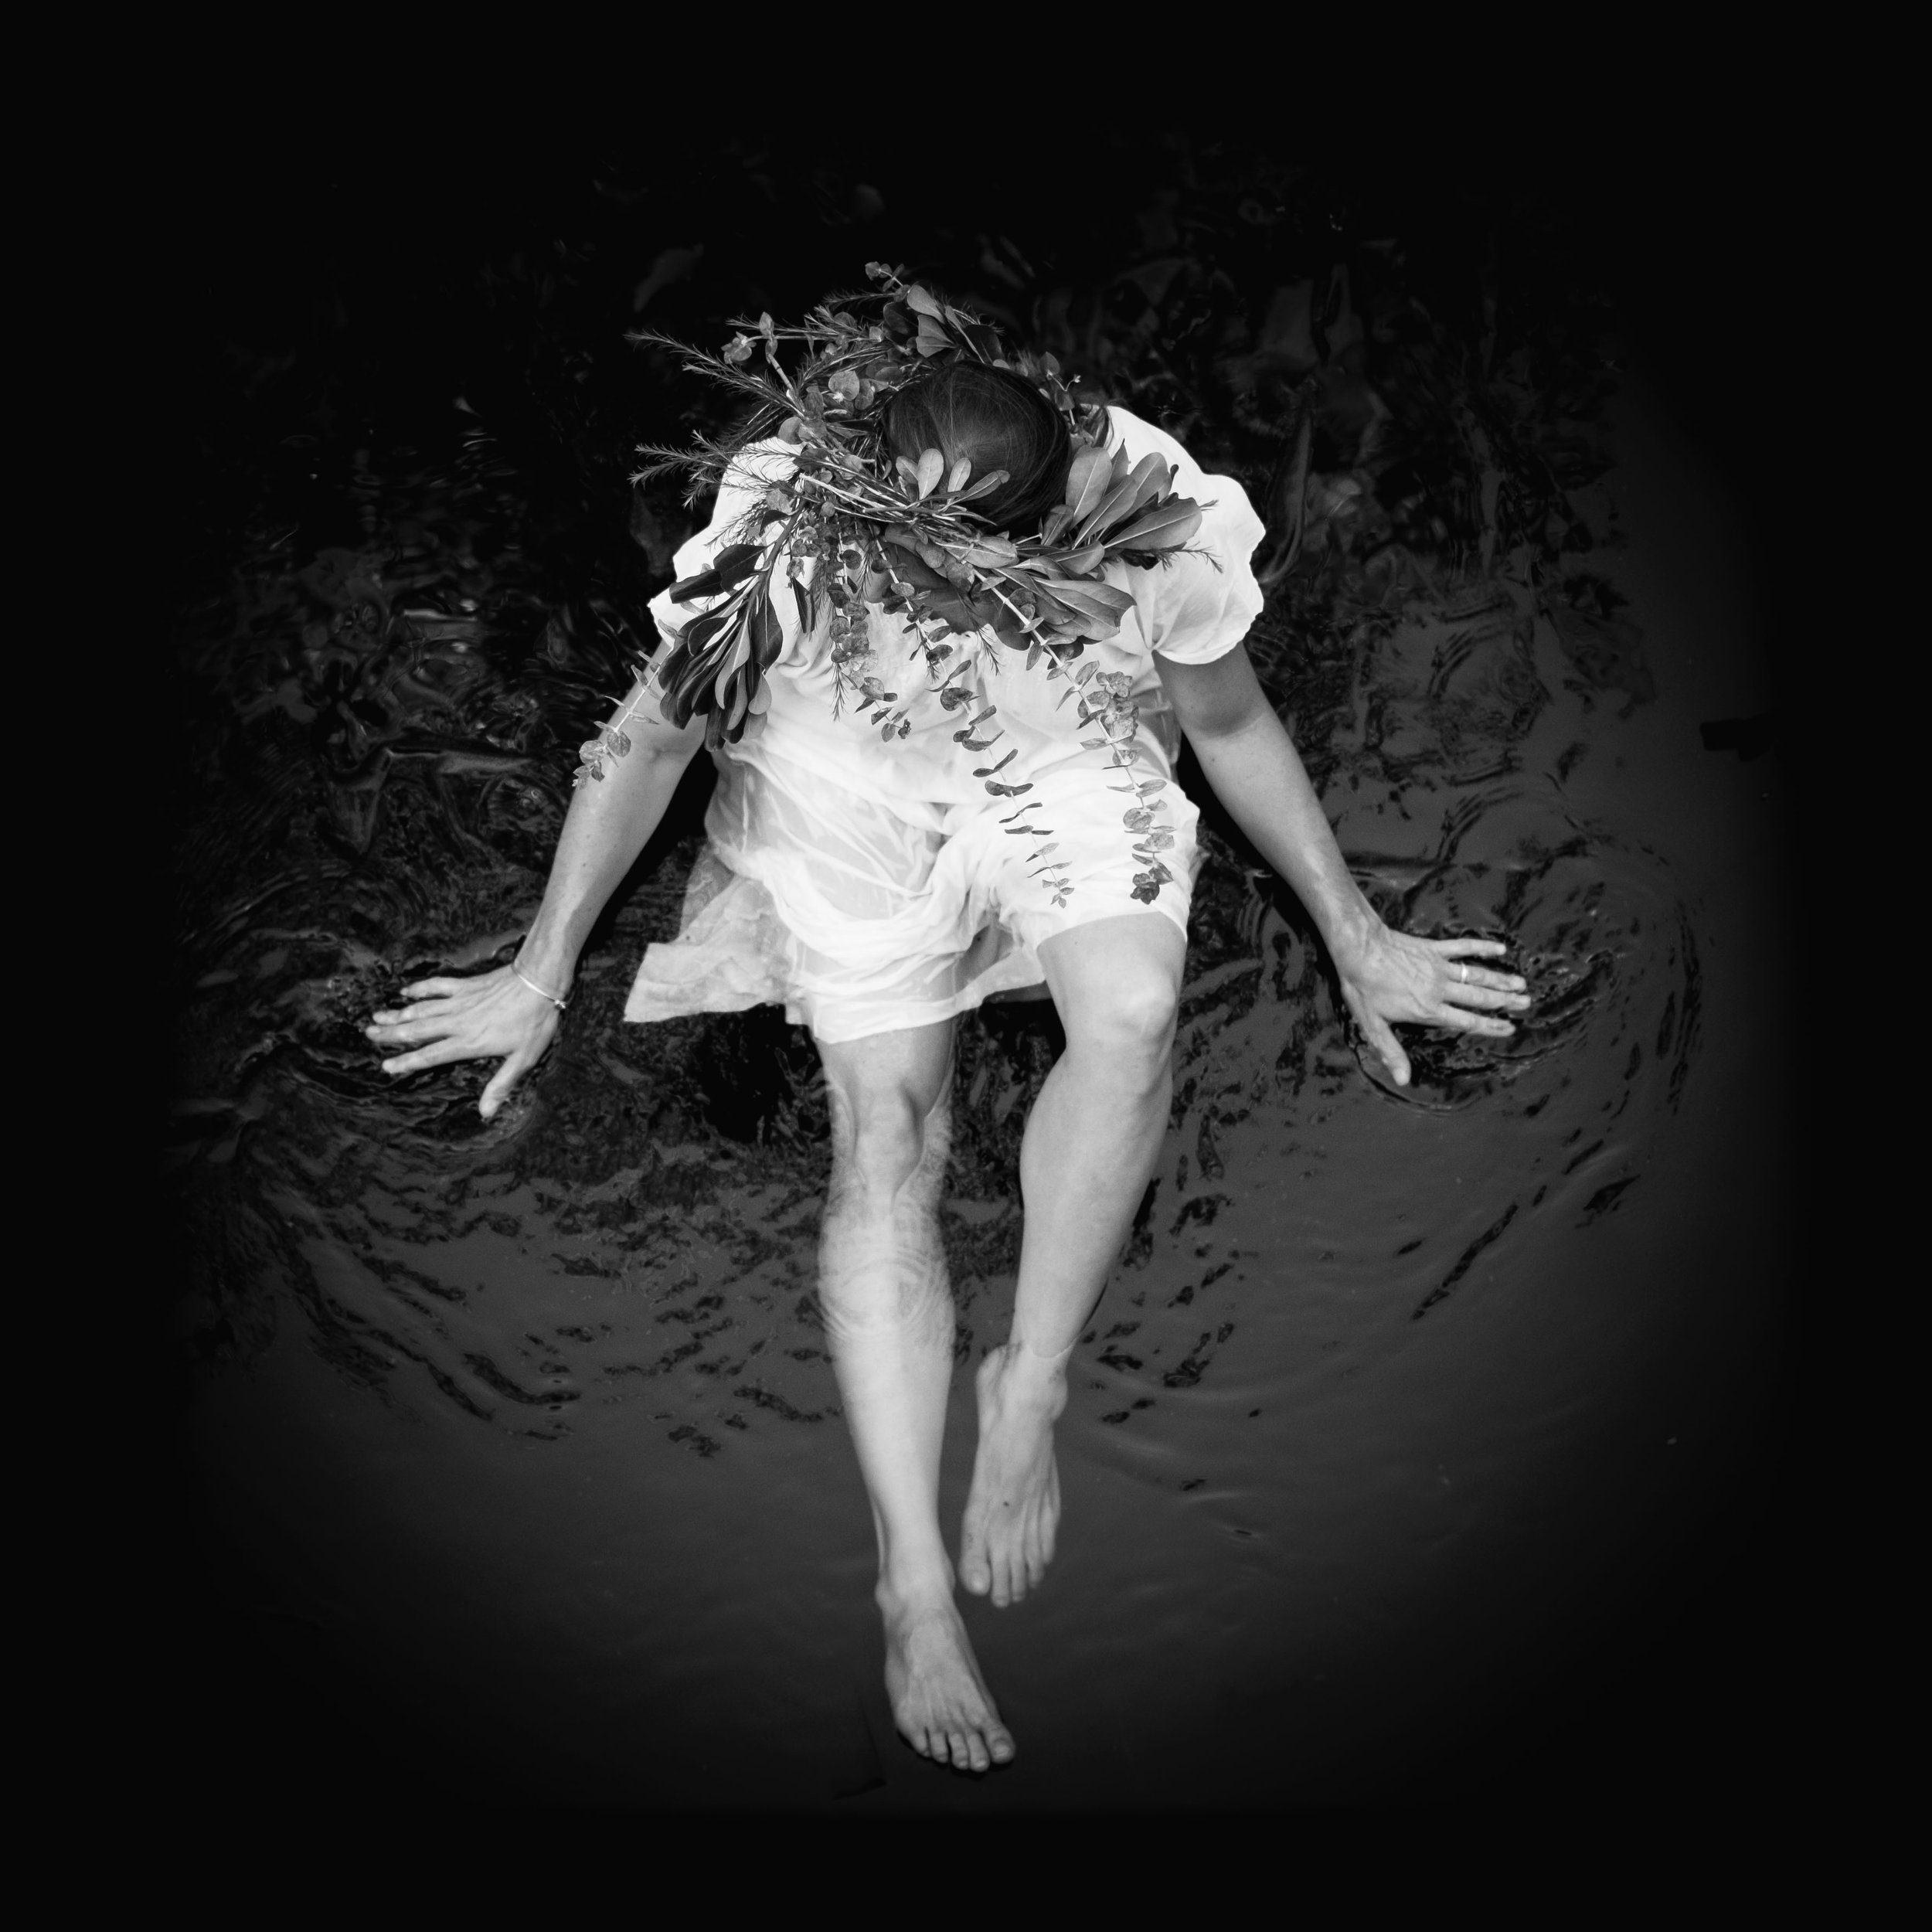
<point x="854" y="526"/>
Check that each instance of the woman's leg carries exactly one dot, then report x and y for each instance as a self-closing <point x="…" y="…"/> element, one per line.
<point x="889" y="1316"/>
<point x="1090" y="1144"/>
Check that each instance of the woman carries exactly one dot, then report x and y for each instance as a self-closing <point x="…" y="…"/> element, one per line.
<point x="1073" y="596"/>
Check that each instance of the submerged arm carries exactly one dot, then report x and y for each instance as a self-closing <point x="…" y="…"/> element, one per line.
<point x="499" y="1014"/>
<point x="1255" y="773"/>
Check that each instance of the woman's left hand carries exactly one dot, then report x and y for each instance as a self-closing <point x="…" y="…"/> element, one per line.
<point x="1394" y="976"/>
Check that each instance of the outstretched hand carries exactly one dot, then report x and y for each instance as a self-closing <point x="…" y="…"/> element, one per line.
<point x="1395" y="976"/>
<point x="469" y="1019"/>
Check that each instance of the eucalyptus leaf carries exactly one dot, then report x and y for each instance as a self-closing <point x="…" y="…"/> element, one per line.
<point x="955" y="476"/>
<point x="932" y="466"/>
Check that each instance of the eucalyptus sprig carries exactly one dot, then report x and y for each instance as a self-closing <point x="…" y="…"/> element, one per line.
<point x="853" y="526"/>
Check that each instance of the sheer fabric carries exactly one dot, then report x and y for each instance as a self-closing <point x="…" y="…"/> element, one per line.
<point x="868" y="887"/>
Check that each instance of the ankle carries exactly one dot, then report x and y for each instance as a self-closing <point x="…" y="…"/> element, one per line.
<point x="1033" y="1377"/>
<point x="905" y="1587"/>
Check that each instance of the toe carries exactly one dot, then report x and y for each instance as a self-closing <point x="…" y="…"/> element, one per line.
<point x="974" y="1572"/>
<point x="962" y="1756"/>
<point x="1003" y="1748"/>
<point x="980" y="1759"/>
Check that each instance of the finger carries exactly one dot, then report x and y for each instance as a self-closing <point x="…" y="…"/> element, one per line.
<point x="1482" y="976"/>
<point x="1488" y="998"/>
<point x="1461" y="1021"/>
<point x="422" y="1009"/>
<point x="503" y="1082"/>
<point x="441" y="1055"/>
<point x="1457" y="952"/>
<point x="413" y="1032"/>
<point x="1469" y="948"/>
<point x="1382" y="1039"/>
<point x="425" y="987"/>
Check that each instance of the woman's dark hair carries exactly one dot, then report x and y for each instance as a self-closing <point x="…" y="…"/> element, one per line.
<point x="997" y="421"/>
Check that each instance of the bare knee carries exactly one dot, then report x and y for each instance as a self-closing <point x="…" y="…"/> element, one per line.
<point x="1130" y="1019"/>
<point x="882" y="1135"/>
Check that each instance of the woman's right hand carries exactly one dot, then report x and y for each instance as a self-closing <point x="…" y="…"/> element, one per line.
<point x="469" y="1019"/>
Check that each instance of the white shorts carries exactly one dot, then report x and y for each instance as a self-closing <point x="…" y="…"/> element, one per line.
<point x="857" y="922"/>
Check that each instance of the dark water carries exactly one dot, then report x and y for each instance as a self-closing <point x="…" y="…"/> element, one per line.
<point x="521" y="1443"/>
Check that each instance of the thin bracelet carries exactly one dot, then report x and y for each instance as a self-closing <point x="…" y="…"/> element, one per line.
<point x="561" y="1006"/>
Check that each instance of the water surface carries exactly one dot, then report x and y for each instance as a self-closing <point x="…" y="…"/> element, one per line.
<point x="524" y="1436"/>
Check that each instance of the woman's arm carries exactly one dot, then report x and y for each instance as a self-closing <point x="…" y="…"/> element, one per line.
<point x="499" y="1014"/>
<point x="1253" y="768"/>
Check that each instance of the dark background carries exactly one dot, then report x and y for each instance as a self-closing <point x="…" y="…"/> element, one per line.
<point x="300" y="293"/>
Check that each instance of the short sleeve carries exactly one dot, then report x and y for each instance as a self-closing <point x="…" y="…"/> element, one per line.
<point x="1197" y="606"/>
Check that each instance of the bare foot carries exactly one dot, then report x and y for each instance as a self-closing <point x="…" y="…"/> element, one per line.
<point x="1013" y="1508"/>
<point x="939" y="1702"/>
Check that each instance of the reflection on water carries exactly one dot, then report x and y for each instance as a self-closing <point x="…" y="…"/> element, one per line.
<point x="621" y="1265"/>
<point x="397" y="781"/>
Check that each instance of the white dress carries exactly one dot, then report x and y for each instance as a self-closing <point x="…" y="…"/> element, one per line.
<point x="867" y="887"/>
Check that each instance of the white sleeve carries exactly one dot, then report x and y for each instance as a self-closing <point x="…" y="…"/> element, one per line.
<point x="1196" y="607"/>
<point x="753" y="472"/>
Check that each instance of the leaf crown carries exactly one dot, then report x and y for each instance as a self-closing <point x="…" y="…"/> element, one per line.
<point x="855" y="526"/>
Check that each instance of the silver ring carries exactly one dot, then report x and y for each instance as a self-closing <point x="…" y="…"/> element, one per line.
<point x="1463" y="969"/>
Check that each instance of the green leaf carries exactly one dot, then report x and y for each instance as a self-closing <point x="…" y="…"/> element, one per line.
<point x="765" y="634"/>
<point x="1099" y="602"/>
<point x="987" y="771"/>
<point x="1126" y="493"/>
<point x="921" y="303"/>
<point x="955" y="476"/>
<point x="932" y="466"/>
<point x="1166" y="527"/>
<point x="986" y="485"/>
<point x="1088" y="481"/>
